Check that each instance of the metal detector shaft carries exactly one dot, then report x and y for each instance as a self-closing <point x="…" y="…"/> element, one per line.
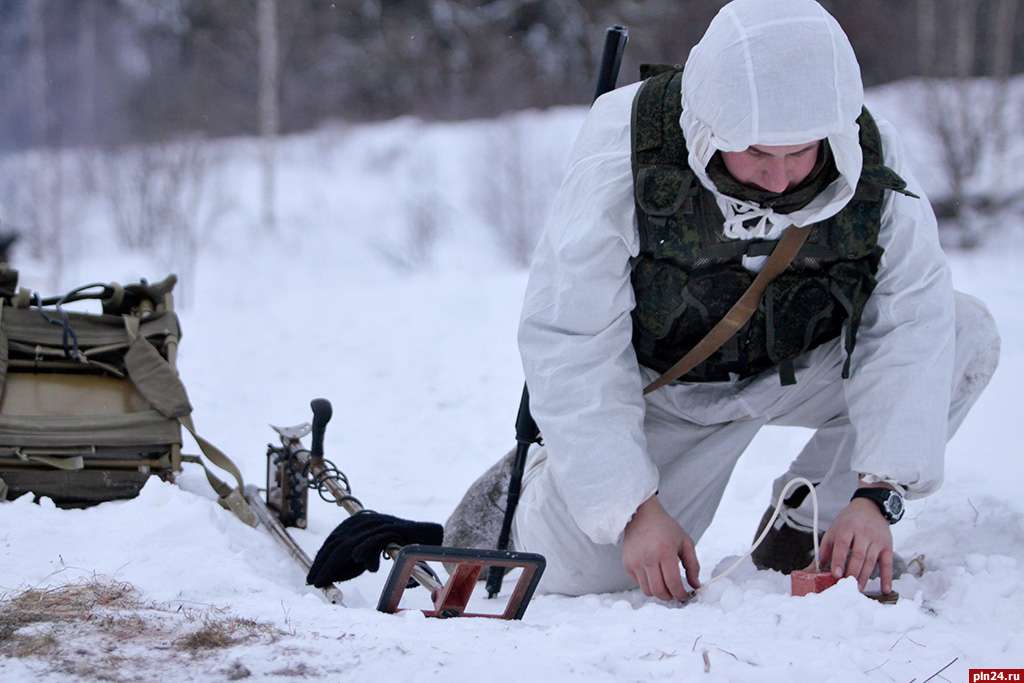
<point x="272" y="524"/>
<point x="343" y="499"/>
<point x="313" y="462"/>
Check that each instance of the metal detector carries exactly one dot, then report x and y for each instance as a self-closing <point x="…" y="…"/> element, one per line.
<point x="293" y="470"/>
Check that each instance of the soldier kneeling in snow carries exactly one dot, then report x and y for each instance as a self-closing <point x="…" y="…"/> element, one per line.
<point x="678" y="189"/>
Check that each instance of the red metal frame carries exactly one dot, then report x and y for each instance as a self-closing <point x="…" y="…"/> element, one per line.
<point x="452" y="598"/>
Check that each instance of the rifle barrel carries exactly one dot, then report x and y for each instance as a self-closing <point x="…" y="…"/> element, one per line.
<point x="611" y="59"/>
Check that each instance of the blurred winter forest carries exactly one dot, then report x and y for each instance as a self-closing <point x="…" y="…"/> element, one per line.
<point x="114" y="71"/>
<point x="121" y="98"/>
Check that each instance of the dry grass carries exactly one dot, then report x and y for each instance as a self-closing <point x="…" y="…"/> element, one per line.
<point x="102" y="630"/>
<point x="29" y="646"/>
<point x="220" y="633"/>
<point x="63" y="604"/>
<point x="300" y="670"/>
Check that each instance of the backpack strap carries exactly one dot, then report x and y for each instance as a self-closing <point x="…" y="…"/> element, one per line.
<point x="160" y="385"/>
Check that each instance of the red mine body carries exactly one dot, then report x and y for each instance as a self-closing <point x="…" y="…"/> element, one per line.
<point x="804" y="582"/>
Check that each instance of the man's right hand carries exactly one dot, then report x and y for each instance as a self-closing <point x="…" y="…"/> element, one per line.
<point x="653" y="545"/>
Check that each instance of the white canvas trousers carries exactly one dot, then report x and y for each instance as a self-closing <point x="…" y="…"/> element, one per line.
<point x="696" y="446"/>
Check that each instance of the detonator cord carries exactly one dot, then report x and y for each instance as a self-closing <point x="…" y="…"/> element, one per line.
<point x="768" y="527"/>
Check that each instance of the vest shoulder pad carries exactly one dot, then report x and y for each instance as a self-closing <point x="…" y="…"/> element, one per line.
<point x="874" y="171"/>
<point x="662" y="177"/>
<point x="651" y="70"/>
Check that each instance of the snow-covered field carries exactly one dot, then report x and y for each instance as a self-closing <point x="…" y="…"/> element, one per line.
<point x="421" y="366"/>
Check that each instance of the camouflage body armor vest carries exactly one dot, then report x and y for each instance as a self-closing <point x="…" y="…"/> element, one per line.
<point x="688" y="274"/>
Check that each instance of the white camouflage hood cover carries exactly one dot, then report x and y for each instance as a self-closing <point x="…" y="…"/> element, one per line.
<point x="773" y="72"/>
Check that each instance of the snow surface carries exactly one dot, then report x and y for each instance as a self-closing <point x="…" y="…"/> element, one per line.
<point x="421" y="366"/>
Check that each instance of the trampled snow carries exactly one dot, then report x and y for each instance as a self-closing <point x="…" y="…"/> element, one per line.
<point x="415" y="346"/>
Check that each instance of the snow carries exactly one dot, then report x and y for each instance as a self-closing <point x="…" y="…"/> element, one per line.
<point x="421" y="366"/>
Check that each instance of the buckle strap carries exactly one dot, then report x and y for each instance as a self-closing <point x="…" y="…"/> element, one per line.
<point x="229" y="498"/>
<point x="740" y="312"/>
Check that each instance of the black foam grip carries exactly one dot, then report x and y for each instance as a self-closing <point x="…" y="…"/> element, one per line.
<point x="322" y="412"/>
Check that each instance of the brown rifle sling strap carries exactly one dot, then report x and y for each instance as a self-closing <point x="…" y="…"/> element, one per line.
<point x="741" y="311"/>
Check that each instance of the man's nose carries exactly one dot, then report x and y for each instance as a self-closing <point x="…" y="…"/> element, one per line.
<point x="774" y="177"/>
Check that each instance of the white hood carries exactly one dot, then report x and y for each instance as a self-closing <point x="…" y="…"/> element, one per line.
<point x="773" y="72"/>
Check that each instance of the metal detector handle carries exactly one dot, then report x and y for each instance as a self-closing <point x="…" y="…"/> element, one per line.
<point x="322" y="412"/>
<point x="611" y="59"/>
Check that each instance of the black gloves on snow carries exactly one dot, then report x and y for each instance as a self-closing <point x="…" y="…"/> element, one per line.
<point x="356" y="545"/>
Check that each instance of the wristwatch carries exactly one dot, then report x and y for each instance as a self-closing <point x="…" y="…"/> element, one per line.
<point x="889" y="502"/>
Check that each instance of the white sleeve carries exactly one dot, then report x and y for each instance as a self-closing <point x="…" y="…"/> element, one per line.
<point x="899" y="391"/>
<point x="575" y="334"/>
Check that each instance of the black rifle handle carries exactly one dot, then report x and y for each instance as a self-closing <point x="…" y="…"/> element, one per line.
<point x="322" y="412"/>
<point x="526" y="427"/>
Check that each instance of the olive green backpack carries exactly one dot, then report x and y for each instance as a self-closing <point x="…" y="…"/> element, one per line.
<point x="91" y="404"/>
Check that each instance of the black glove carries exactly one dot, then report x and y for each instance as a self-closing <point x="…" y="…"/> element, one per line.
<point x="356" y="545"/>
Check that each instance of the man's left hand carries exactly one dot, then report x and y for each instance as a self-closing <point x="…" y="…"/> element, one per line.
<point x="858" y="540"/>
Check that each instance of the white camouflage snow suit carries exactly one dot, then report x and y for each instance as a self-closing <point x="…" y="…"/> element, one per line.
<point x="923" y="353"/>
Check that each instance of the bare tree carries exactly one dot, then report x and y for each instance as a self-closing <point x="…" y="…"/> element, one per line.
<point x="44" y="212"/>
<point x="201" y="205"/>
<point x="165" y="200"/>
<point x="518" y="182"/>
<point x="37" y="68"/>
<point x="422" y="210"/>
<point x="269" y="111"/>
<point x="1003" y="21"/>
<point x="88" y="69"/>
<point x="968" y="115"/>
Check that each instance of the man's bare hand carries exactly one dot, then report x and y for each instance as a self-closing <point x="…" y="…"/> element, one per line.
<point x="858" y="540"/>
<point x="653" y="545"/>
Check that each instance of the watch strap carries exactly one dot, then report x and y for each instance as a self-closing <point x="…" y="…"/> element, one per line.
<point x="891" y="509"/>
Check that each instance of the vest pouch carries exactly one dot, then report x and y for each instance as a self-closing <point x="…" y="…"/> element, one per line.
<point x="707" y="298"/>
<point x="661" y="189"/>
<point x="800" y="314"/>
<point x="659" y="291"/>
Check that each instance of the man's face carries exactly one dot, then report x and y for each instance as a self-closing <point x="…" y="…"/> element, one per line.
<point x="775" y="168"/>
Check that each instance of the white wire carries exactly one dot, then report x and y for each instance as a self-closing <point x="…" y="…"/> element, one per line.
<point x="768" y="527"/>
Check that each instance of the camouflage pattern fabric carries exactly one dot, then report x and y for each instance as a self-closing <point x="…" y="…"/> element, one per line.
<point x="688" y="274"/>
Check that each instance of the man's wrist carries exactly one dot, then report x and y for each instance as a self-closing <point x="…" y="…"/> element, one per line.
<point x="888" y="501"/>
<point x="643" y="510"/>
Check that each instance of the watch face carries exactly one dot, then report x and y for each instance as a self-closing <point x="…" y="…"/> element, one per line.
<point x="894" y="506"/>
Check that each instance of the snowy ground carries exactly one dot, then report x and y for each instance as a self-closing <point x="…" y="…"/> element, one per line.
<point x="422" y="370"/>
